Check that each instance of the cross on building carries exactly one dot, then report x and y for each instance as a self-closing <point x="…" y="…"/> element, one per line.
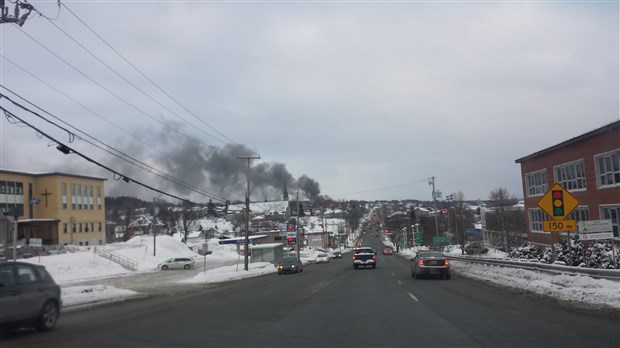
<point x="46" y="194"/>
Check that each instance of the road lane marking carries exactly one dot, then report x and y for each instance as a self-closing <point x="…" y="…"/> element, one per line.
<point x="313" y="290"/>
<point x="399" y="282"/>
<point x="413" y="297"/>
<point x="393" y="275"/>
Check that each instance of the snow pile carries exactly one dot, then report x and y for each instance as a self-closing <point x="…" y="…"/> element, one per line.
<point x="140" y="249"/>
<point x="578" y="288"/>
<point x="80" y="295"/>
<point x="235" y="272"/>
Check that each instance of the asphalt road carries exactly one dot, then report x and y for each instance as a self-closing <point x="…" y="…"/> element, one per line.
<point x="333" y="305"/>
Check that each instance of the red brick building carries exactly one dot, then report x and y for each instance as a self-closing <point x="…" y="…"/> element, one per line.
<point x="588" y="166"/>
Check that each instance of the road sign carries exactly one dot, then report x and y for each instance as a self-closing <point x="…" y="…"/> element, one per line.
<point x="594" y="236"/>
<point x="36" y="242"/>
<point x="557" y="202"/>
<point x="441" y="239"/>
<point x="559" y="226"/>
<point x="594" y="226"/>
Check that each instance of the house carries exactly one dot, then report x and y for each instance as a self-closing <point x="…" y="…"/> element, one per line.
<point x="587" y="166"/>
<point x="58" y="208"/>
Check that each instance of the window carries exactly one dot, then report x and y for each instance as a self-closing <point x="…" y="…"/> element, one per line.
<point x="26" y="274"/>
<point x="64" y="229"/>
<point x="536" y="217"/>
<point x="608" y="169"/>
<point x="90" y="198"/>
<point x="73" y="200"/>
<point x="98" y="197"/>
<point x="92" y="227"/>
<point x="571" y="176"/>
<point x="63" y="194"/>
<point x="536" y="183"/>
<point x="99" y="226"/>
<point x="612" y="213"/>
<point x="79" y="196"/>
<point x="579" y="214"/>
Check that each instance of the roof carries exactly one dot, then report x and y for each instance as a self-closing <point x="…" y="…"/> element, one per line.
<point x="608" y="128"/>
<point x="50" y="174"/>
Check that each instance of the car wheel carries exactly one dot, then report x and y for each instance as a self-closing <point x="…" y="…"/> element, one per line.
<point x="48" y="317"/>
<point x="279" y="273"/>
<point x="186" y="267"/>
<point x="354" y="266"/>
<point x="448" y="276"/>
<point x="164" y="268"/>
<point x="374" y="266"/>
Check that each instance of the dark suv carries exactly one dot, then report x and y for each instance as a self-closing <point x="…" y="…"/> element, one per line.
<point x="29" y="297"/>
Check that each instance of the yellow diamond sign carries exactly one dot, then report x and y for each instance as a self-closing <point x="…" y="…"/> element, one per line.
<point x="558" y="202"/>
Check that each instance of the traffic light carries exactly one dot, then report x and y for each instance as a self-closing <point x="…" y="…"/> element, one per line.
<point x="558" y="202"/>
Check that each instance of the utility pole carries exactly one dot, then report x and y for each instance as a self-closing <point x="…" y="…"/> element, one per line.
<point x="247" y="211"/>
<point x="297" y="240"/>
<point x="431" y="181"/>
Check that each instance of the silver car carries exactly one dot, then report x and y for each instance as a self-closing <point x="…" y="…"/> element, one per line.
<point x="176" y="263"/>
<point x="29" y="297"/>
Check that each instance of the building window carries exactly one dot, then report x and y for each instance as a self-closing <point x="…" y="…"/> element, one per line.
<point x="80" y="227"/>
<point x="92" y="227"/>
<point x="90" y="198"/>
<point x="73" y="227"/>
<point x="63" y="194"/>
<point x="612" y="213"/>
<point x="73" y="198"/>
<point x="608" y="169"/>
<point x="571" y="176"/>
<point x="536" y="183"/>
<point x="579" y="214"/>
<point x="99" y="226"/>
<point x="79" y="196"/>
<point x="536" y="217"/>
<point x="99" y="197"/>
<point x="64" y="228"/>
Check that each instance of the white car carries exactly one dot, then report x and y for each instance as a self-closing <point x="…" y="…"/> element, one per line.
<point x="322" y="258"/>
<point x="176" y="263"/>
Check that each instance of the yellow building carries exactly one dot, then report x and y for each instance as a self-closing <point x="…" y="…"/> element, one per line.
<point x="58" y="208"/>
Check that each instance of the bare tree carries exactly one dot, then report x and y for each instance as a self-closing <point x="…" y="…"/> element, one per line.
<point x="188" y="221"/>
<point x="503" y="203"/>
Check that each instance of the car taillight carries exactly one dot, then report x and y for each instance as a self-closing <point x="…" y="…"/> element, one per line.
<point x="421" y="262"/>
<point x="353" y="257"/>
<point x="446" y="262"/>
<point x="374" y="257"/>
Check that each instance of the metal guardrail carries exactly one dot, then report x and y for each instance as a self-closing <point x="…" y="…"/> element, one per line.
<point x="121" y="260"/>
<point x="610" y="274"/>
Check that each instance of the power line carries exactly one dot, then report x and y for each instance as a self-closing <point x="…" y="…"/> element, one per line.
<point x="114" y="94"/>
<point x="148" y="168"/>
<point x="146" y="77"/>
<point x="67" y="150"/>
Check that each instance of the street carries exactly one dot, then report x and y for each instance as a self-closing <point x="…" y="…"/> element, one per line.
<point x="333" y="305"/>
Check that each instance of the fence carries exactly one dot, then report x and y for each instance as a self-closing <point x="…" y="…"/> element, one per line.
<point x="122" y="260"/>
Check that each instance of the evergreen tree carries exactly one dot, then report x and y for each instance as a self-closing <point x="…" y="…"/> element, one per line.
<point x="210" y="208"/>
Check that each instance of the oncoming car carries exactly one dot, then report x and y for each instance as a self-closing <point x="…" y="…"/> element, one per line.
<point x="290" y="264"/>
<point x="388" y="251"/>
<point x="322" y="258"/>
<point x="29" y="297"/>
<point x="176" y="263"/>
<point x="430" y="263"/>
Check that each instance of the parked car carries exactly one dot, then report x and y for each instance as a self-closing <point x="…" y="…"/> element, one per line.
<point x="176" y="263"/>
<point x="430" y="263"/>
<point x="476" y="248"/>
<point x="290" y="264"/>
<point x="337" y="255"/>
<point x="322" y="258"/>
<point x="29" y="297"/>
<point x="388" y="251"/>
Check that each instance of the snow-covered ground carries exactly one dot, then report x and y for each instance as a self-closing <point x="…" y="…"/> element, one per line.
<point x="226" y="265"/>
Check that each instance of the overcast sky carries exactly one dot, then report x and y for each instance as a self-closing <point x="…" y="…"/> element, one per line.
<point x="367" y="100"/>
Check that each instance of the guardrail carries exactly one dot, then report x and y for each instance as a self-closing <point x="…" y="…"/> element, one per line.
<point x="121" y="260"/>
<point x="611" y="274"/>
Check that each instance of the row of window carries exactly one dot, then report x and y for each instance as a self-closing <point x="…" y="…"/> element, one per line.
<point x="11" y="188"/>
<point x="82" y="196"/>
<point x="537" y="216"/>
<point x="82" y="227"/>
<point x="572" y="176"/>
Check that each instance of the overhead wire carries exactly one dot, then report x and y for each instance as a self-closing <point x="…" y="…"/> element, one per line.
<point x="125" y="101"/>
<point x="148" y="168"/>
<point x="146" y="77"/>
<point x="126" y="178"/>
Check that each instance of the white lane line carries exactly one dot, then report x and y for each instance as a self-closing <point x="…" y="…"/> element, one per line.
<point x="413" y="297"/>
<point x="399" y="282"/>
<point x="393" y="275"/>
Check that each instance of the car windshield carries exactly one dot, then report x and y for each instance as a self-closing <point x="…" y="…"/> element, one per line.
<point x="288" y="260"/>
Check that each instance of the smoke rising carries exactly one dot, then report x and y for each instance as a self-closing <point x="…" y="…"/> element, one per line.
<point x="215" y="171"/>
